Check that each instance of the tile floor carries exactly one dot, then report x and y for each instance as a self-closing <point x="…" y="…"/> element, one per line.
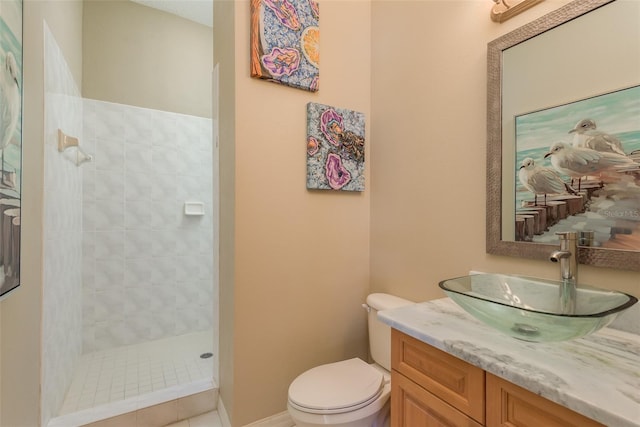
<point x="210" y="419"/>
<point x="126" y="372"/>
<point x="124" y="380"/>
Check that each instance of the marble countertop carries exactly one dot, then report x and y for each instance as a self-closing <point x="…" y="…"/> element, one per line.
<point x="597" y="376"/>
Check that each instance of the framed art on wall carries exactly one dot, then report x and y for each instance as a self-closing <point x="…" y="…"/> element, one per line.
<point x="285" y="37"/>
<point x="585" y="155"/>
<point x="335" y="148"/>
<point x="10" y="142"/>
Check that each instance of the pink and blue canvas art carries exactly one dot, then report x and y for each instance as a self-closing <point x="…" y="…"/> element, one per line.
<point x="335" y="148"/>
<point x="285" y="37"/>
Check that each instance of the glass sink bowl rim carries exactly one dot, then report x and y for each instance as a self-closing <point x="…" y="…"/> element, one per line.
<point x="527" y="307"/>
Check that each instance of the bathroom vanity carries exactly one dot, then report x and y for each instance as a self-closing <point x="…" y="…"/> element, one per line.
<point x="448" y="366"/>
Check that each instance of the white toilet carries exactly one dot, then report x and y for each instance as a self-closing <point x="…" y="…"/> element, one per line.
<point x="350" y="393"/>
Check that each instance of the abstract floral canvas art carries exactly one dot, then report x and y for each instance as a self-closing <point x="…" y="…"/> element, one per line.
<point x="335" y="148"/>
<point x="285" y="38"/>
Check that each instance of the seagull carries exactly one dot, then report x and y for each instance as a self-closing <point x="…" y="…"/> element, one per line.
<point x="577" y="162"/>
<point x="587" y="136"/>
<point x="9" y="101"/>
<point x="541" y="180"/>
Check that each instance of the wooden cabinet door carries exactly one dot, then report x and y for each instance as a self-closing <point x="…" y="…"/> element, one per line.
<point x="509" y="405"/>
<point x="413" y="406"/>
<point x="451" y="379"/>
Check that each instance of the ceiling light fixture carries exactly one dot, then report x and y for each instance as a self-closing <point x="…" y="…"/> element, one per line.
<point x="505" y="9"/>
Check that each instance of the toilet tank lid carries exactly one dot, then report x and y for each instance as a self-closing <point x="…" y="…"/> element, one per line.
<point x="381" y="301"/>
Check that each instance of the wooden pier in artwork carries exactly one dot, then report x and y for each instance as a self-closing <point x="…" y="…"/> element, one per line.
<point x="532" y="220"/>
<point x="9" y="237"/>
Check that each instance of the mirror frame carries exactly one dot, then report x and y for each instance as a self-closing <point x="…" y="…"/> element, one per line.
<point x="613" y="258"/>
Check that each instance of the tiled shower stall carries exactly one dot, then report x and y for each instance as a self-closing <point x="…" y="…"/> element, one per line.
<point x="125" y="265"/>
<point x="147" y="266"/>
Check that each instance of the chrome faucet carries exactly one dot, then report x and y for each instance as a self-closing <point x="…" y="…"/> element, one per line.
<point x="568" y="258"/>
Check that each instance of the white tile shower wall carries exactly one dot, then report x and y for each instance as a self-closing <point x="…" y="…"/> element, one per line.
<point x="62" y="298"/>
<point x="147" y="268"/>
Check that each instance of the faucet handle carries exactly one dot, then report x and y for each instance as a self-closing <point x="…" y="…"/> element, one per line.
<point x="567" y="235"/>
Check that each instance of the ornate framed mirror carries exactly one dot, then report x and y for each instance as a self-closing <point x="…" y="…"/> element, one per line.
<point x="544" y="78"/>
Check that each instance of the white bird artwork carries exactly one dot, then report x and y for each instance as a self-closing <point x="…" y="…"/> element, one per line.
<point x="577" y="162"/>
<point x="587" y="136"/>
<point x="9" y="101"/>
<point x="541" y="180"/>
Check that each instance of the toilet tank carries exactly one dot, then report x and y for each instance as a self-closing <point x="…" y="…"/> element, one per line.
<point x="380" y="333"/>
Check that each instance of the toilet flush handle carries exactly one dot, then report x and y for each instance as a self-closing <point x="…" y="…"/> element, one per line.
<point x="366" y="307"/>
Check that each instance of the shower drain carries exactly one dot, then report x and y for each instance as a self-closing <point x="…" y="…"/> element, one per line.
<point x="206" y="355"/>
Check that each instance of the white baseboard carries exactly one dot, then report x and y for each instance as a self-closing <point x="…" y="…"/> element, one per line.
<point x="222" y="412"/>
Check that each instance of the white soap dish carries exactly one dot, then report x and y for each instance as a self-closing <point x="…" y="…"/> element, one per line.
<point x="194" y="208"/>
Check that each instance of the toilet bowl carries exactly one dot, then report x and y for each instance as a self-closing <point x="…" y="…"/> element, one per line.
<point x="349" y="393"/>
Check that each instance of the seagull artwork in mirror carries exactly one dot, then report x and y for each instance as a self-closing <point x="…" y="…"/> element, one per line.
<point x="9" y="104"/>
<point x="586" y="135"/>
<point x="541" y="180"/>
<point x="577" y="162"/>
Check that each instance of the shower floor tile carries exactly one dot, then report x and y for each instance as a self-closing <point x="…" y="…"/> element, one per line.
<point x="146" y="371"/>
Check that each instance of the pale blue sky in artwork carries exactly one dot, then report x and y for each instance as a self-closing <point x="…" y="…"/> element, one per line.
<point x="614" y="113"/>
<point x="11" y="12"/>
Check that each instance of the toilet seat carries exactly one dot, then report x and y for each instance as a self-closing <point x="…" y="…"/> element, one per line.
<point x="336" y="387"/>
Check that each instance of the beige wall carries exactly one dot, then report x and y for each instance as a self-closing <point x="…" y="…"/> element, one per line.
<point x="429" y="115"/>
<point x="137" y="55"/>
<point x="298" y="261"/>
<point x="21" y="312"/>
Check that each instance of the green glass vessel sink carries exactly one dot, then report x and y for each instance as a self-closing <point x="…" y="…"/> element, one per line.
<point x="528" y="308"/>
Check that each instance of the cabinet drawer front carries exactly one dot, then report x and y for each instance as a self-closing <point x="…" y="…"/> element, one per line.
<point x="449" y="378"/>
<point x="413" y="406"/>
<point x="509" y="406"/>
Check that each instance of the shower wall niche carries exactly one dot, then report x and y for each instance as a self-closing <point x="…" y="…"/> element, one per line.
<point x="147" y="265"/>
